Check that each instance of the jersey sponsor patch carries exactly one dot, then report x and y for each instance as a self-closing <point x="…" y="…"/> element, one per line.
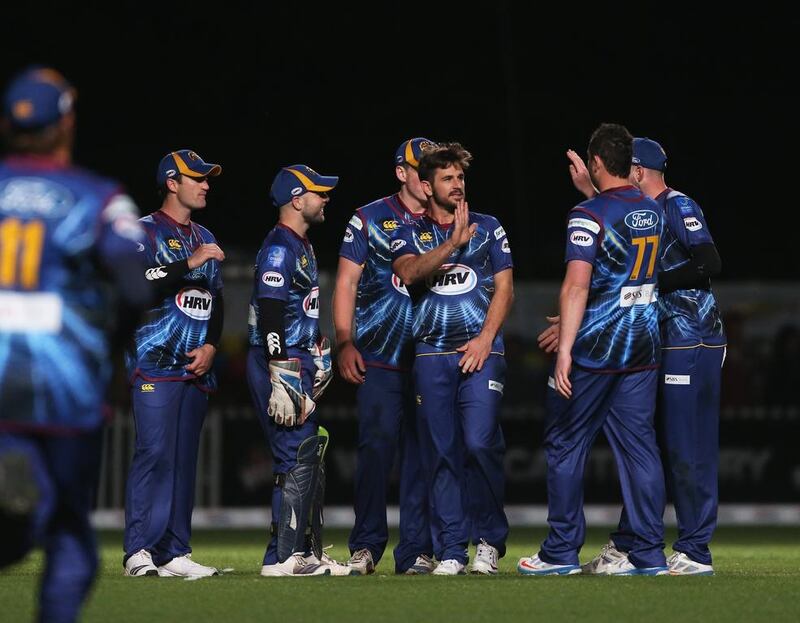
<point x="195" y="303"/>
<point x="122" y="214"/>
<point x="642" y="219"/>
<point x="275" y="256"/>
<point x="398" y="285"/>
<point x="499" y="233"/>
<point x="272" y="279"/>
<point x="585" y="223"/>
<point x="452" y="280"/>
<point x="356" y="222"/>
<point x="504" y="246"/>
<point x="425" y="236"/>
<point x="678" y="379"/>
<point x="581" y="238"/>
<point x="637" y="295"/>
<point x="311" y="303"/>
<point x="348" y="235"/>
<point x="389" y="225"/>
<point x="30" y="312"/>
<point x="273" y="343"/>
<point x="397" y="244"/>
<point x="496" y="386"/>
<point x="153" y="274"/>
<point x="174" y="244"/>
<point x="692" y="223"/>
<point x="33" y="196"/>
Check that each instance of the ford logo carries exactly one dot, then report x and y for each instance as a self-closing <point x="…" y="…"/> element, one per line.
<point x="641" y="219"/>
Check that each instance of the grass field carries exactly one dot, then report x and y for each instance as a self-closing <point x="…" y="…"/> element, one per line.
<point x="758" y="579"/>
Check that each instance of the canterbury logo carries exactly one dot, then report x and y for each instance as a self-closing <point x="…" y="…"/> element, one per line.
<point x="155" y="273"/>
<point x="273" y="344"/>
<point x="148" y="387"/>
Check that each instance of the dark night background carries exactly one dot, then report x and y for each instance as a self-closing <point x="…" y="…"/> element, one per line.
<point x="339" y="88"/>
<point x="257" y="86"/>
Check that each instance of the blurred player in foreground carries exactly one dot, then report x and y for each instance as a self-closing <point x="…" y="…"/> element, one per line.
<point x="68" y="254"/>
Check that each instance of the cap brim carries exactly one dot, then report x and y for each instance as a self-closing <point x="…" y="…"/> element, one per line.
<point x="205" y="170"/>
<point x="324" y="183"/>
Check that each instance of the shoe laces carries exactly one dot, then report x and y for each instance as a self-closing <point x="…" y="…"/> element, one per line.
<point x="488" y="551"/>
<point x="325" y="558"/>
<point x="362" y="555"/>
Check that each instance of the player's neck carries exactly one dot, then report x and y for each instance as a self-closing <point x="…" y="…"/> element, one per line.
<point x="440" y="214"/>
<point x="295" y="222"/>
<point x="177" y="212"/>
<point x="653" y="188"/>
<point x="414" y="205"/>
<point x="606" y="181"/>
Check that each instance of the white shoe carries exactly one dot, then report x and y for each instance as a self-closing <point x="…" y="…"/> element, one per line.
<point x="449" y="567"/>
<point x="140" y="565"/>
<point x="533" y="565"/>
<point x="185" y="567"/>
<point x="336" y="567"/>
<point x="361" y="563"/>
<point x="485" y="559"/>
<point x="296" y="566"/>
<point x="680" y="564"/>
<point x="423" y="565"/>
<point x="599" y="565"/>
<point x="623" y="566"/>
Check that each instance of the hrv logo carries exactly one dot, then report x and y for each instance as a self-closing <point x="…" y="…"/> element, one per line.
<point x="311" y="303"/>
<point x="195" y="303"/>
<point x="272" y="279"/>
<point x="641" y="219"/>
<point x="580" y="238"/>
<point x="452" y="279"/>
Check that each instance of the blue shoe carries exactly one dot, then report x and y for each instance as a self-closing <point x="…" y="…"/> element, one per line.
<point x="623" y="566"/>
<point x="533" y="565"/>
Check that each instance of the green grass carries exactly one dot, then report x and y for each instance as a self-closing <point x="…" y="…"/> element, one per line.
<point x="758" y="579"/>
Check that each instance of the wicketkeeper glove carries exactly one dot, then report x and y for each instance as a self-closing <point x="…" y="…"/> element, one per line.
<point x="322" y="360"/>
<point x="288" y="404"/>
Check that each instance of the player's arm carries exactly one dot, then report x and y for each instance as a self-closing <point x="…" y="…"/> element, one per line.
<point x="168" y="276"/>
<point x="703" y="264"/>
<point x="478" y="349"/>
<point x="572" y="303"/>
<point x="411" y="268"/>
<point x="203" y="356"/>
<point x="349" y="360"/>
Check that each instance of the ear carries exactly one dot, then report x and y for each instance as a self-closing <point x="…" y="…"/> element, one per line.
<point x="427" y="188"/>
<point x="400" y="172"/>
<point x="297" y="203"/>
<point x="172" y="185"/>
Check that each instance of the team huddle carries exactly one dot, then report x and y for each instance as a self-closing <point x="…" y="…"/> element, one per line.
<point x="423" y="288"/>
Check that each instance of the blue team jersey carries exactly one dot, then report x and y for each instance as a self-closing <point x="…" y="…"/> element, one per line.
<point x="286" y="269"/>
<point x="688" y="317"/>
<point x="59" y="228"/>
<point x="451" y="305"/>
<point x="383" y="307"/>
<point x="619" y="233"/>
<point x="179" y="323"/>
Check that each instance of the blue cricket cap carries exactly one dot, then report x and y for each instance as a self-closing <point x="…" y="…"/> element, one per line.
<point x="37" y="97"/>
<point x="296" y="180"/>
<point x="184" y="162"/>
<point x="410" y="151"/>
<point x="649" y="154"/>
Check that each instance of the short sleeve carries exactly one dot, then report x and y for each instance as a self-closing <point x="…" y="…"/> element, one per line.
<point x="687" y="222"/>
<point x="583" y="236"/>
<point x="500" y="250"/>
<point x="275" y="269"/>
<point x="403" y="242"/>
<point x="355" y="244"/>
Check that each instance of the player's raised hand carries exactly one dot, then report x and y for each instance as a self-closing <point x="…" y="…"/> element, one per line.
<point x="580" y="175"/>
<point x="476" y="352"/>
<point x="203" y="253"/>
<point x="350" y="363"/>
<point x="561" y="374"/>
<point x="548" y="339"/>
<point x="202" y="358"/>
<point x="462" y="230"/>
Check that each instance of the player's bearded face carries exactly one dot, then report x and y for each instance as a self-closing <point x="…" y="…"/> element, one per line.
<point x="314" y="206"/>
<point x="448" y="187"/>
<point x="192" y="192"/>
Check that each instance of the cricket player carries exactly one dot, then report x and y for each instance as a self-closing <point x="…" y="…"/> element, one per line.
<point x="170" y="371"/>
<point x="68" y="256"/>
<point x="693" y="346"/>
<point x="605" y="375"/>
<point x="375" y="350"/>
<point x="288" y="368"/>
<point x="458" y="268"/>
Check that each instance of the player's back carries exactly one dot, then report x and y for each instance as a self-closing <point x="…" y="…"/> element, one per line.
<point x="619" y="232"/>
<point x="54" y="300"/>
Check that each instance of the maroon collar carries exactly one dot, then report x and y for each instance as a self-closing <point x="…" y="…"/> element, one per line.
<point x="35" y="161"/>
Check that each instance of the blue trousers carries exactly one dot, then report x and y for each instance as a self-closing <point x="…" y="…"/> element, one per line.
<point x="160" y="491"/>
<point x="386" y="422"/>
<point x="283" y="441"/>
<point x="65" y="469"/>
<point x="462" y="450"/>
<point x="688" y="418"/>
<point x="623" y="406"/>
